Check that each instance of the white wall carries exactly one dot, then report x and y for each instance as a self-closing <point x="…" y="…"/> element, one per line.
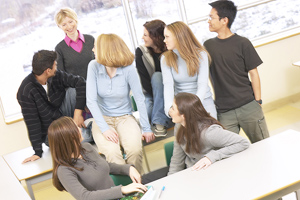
<point x="279" y="79"/>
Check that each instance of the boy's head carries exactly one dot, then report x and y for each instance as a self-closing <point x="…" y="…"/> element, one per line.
<point x="225" y="9"/>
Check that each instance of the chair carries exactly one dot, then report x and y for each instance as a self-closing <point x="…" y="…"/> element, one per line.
<point x="121" y="179"/>
<point x="168" y="151"/>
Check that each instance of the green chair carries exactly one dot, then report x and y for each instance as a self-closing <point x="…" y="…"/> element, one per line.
<point x="133" y="103"/>
<point x="169" y="151"/>
<point x="121" y="179"/>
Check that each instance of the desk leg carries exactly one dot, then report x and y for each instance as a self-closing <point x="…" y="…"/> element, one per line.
<point x="34" y="180"/>
<point x="146" y="159"/>
<point x="297" y="192"/>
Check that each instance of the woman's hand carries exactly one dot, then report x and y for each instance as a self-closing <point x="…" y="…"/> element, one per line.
<point x="111" y="135"/>
<point x="202" y="163"/>
<point x="148" y="136"/>
<point x="133" y="187"/>
<point x="134" y="175"/>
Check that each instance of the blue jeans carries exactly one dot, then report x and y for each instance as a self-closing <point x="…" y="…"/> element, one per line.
<point x="155" y="104"/>
<point x="67" y="109"/>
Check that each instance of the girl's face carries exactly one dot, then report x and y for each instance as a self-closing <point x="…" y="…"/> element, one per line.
<point x="176" y="116"/>
<point x="169" y="39"/>
<point x="69" y="26"/>
<point x="146" y="37"/>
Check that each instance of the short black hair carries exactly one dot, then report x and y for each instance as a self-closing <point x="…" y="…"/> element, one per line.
<point x="225" y="9"/>
<point x="43" y="60"/>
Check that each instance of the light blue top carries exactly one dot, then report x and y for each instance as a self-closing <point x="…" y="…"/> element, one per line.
<point x="175" y="83"/>
<point x="110" y="96"/>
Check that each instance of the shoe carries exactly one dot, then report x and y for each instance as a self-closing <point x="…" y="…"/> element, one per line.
<point x="160" y="130"/>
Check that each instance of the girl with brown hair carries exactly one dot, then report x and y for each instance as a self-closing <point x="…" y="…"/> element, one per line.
<point x="201" y="140"/>
<point x="147" y="59"/>
<point x="80" y="170"/>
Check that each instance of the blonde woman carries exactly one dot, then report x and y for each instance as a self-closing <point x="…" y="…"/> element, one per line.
<point x="75" y="50"/>
<point x="110" y="78"/>
<point x="185" y="67"/>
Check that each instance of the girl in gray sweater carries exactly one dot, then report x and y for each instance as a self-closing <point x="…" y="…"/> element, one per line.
<point x="201" y="140"/>
<point x="80" y="170"/>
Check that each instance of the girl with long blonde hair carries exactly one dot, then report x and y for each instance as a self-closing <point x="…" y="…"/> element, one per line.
<point x="185" y="67"/>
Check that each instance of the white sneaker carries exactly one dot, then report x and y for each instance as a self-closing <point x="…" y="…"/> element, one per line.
<point x="160" y="130"/>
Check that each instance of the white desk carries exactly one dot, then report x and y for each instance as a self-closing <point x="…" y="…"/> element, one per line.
<point x="10" y="187"/>
<point x="31" y="172"/>
<point x="269" y="169"/>
<point x="297" y="64"/>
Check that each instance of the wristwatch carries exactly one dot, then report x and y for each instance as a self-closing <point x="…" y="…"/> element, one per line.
<point x="259" y="101"/>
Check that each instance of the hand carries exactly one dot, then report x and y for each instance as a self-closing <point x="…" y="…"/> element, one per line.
<point x="79" y="120"/>
<point x="134" y="175"/>
<point x="148" y="136"/>
<point x="133" y="187"/>
<point x="202" y="163"/>
<point x="111" y="135"/>
<point x="31" y="158"/>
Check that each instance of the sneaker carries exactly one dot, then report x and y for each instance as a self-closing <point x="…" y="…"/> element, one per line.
<point x="160" y="130"/>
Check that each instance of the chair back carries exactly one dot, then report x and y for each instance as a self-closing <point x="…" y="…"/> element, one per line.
<point x="168" y="151"/>
<point x="121" y="179"/>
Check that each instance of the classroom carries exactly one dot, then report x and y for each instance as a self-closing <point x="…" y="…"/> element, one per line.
<point x="29" y="26"/>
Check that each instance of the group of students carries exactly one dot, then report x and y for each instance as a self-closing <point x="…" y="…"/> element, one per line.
<point x="89" y="83"/>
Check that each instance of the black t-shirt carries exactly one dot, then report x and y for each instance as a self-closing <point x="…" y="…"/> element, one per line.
<point x="232" y="59"/>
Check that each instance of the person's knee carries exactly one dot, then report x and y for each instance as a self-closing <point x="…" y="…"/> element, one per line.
<point x="134" y="151"/>
<point x="156" y="78"/>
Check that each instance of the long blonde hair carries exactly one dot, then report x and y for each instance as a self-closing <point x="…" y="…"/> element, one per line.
<point x="188" y="46"/>
<point x="111" y="51"/>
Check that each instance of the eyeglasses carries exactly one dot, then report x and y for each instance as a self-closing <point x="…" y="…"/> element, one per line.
<point x="211" y="18"/>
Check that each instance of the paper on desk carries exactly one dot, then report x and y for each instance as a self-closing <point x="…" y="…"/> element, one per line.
<point x="149" y="195"/>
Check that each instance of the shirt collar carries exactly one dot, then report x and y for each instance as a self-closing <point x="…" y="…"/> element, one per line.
<point x="102" y="70"/>
<point x="68" y="40"/>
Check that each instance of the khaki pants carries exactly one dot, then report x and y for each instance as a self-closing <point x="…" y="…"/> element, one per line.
<point x="250" y="118"/>
<point x="130" y="138"/>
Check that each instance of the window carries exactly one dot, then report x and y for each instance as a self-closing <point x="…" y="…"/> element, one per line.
<point x="147" y="10"/>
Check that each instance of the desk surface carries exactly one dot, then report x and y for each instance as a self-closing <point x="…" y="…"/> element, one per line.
<point x="297" y="63"/>
<point x="29" y="169"/>
<point x="10" y="187"/>
<point x="267" y="170"/>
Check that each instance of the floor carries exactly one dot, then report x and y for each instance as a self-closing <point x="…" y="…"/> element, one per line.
<point x="278" y="120"/>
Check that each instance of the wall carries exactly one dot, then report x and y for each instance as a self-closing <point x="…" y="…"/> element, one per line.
<point x="279" y="79"/>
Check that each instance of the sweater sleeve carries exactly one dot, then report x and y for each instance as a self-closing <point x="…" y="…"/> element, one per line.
<point x="178" y="159"/>
<point x="33" y="123"/>
<point x="119" y="169"/>
<point x="92" y="96"/>
<point x="142" y="70"/>
<point x="60" y="59"/>
<point x="203" y="76"/>
<point x="168" y="82"/>
<point x="69" y="180"/>
<point x="73" y="81"/>
<point x="225" y="143"/>
<point x="135" y="86"/>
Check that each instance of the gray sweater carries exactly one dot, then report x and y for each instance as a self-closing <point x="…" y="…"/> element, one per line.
<point x="216" y="144"/>
<point x="94" y="181"/>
